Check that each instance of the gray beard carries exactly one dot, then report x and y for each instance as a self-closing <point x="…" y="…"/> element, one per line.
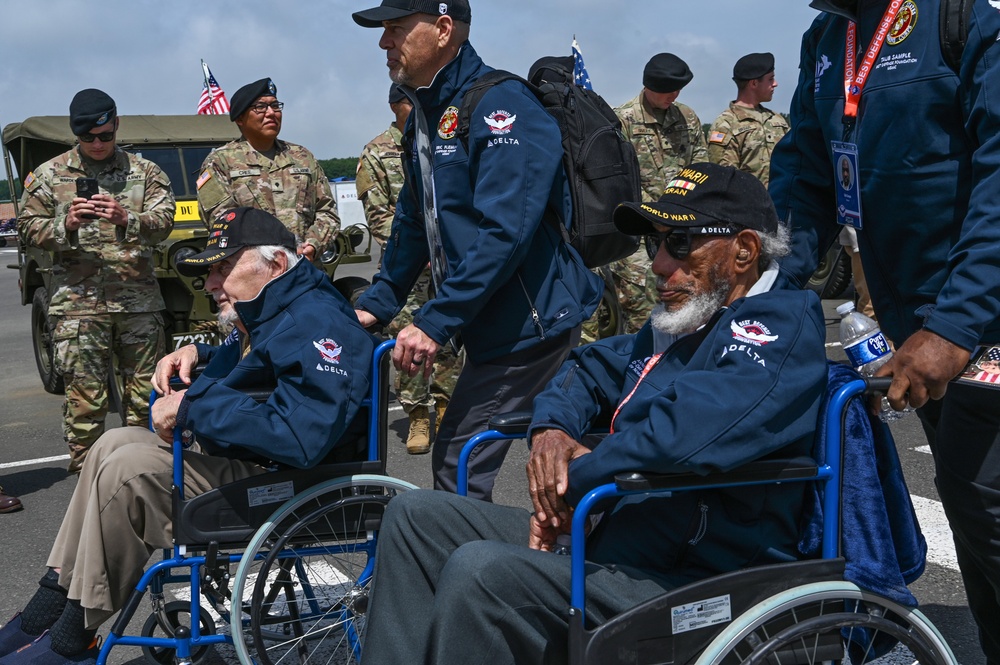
<point x="693" y="314"/>
<point x="228" y="319"/>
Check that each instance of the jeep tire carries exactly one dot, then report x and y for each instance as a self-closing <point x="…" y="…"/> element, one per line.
<point x="41" y="336"/>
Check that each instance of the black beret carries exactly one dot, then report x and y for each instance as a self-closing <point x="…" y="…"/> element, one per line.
<point x="248" y="94"/>
<point x="396" y="94"/>
<point x="753" y="66"/>
<point x="90" y="108"/>
<point x="665" y="72"/>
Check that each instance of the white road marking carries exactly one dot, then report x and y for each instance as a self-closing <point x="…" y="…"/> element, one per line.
<point x="923" y="449"/>
<point x="30" y="462"/>
<point x="933" y="523"/>
<point x="833" y="345"/>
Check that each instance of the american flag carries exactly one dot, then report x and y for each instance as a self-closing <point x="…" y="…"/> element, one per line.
<point x="213" y="100"/>
<point x="580" y="75"/>
<point x="993" y="353"/>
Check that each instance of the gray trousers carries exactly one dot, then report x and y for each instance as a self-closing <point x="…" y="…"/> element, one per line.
<point x="120" y="514"/>
<point x="456" y="583"/>
<point x="508" y="383"/>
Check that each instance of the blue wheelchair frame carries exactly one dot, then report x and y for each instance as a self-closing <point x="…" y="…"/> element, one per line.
<point x="187" y="640"/>
<point x="588" y="645"/>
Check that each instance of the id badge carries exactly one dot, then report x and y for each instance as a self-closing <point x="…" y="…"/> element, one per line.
<point x="848" y="185"/>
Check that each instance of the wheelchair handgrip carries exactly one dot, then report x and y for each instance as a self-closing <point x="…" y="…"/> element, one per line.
<point x="511" y="423"/>
<point x="761" y="470"/>
<point x="878" y="385"/>
<point x="177" y="384"/>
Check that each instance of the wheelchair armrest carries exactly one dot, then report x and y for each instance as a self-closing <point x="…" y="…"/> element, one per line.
<point x="776" y="470"/>
<point x="515" y="422"/>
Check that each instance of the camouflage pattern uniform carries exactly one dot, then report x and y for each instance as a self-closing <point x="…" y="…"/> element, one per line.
<point x="379" y="181"/>
<point x="105" y="299"/>
<point x="291" y="186"/>
<point x="665" y="141"/>
<point x="744" y="138"/>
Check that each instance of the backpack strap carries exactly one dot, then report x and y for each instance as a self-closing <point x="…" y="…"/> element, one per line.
<point x="475" y="94"/>
<point x="954" y="29"/>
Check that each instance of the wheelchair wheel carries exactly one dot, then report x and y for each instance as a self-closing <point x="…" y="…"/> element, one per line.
<point x="175" y="613"/>
<point x="301" y="588"/>
<point x="829" y="621"/>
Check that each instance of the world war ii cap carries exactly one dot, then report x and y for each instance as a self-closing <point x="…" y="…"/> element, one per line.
<point x="390" y="10"/>
<point x="248" y="94"/>
<point x="396" y="94"/>
<point x="703" y="194"/>
<point x="753" y="66"/>
<point x="665" y="72"/>
<point x="234" y="230"/>
<point x="90" y="108"/>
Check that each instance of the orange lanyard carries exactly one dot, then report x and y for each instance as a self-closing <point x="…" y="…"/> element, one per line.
<point x="854" y="83"/>
<point x="645" y="370"/>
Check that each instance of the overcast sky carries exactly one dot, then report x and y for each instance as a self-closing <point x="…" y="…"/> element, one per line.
<point x="331" y="73"/>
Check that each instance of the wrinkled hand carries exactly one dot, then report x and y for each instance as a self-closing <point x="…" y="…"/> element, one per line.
<point x="367" y="319"/>
<point x="543" y="537"/>
<point x="921" y="369"/>
<point x="108" y="209"/>
<point x="414" y="350"/>
<point x="308" y="251"/>
<point x="548" y="475"/>
<point x="165" y="414"/>
<point x="179" y="363"/>
<point x="77" y="209"/>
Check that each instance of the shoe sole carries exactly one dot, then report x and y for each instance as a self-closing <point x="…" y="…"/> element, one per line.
<point x="12" y="509"/>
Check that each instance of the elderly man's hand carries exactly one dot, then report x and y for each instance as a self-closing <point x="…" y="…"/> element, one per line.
<point x="548" y="474"/>
<point x="165" y="414"/>
<point x="921" y="369"/>
<point x="366" y="319"/>
<point x="414" y="351"/>
<point x="543" y="537"/>
<point x="179" y="363"/>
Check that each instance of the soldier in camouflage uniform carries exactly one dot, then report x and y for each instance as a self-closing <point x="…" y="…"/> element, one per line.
<point x="260" y="171"/>
<point x="379" y="180"/>
<point x="105" y="299"/>
<point x="667" y="137"/>
<point x="744" y="135"/>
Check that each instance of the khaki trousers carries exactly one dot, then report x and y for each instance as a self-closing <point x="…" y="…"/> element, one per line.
<point x="120" y="514"/>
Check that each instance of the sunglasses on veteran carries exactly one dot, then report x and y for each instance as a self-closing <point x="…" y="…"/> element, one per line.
<point x="678" y="240"/>
<point x="106" y="137"/>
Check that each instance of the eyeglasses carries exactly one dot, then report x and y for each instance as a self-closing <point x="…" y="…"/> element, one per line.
<point x="678" y="241"/>
<point x="261" y="107"/>
<point x="106" y="137"/>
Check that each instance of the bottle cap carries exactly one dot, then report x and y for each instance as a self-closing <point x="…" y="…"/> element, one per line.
<point x="846" y="308"/>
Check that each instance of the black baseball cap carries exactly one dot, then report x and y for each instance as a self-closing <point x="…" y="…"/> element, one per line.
<point x="90" y="108"/>
<point x="703" y="194"/>
<point x="390" y="10"/>
<point x="231" y="232"/>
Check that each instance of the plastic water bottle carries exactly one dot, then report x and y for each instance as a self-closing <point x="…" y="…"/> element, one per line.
<point x="867" y="349"/>
<point x="564" y="544"/>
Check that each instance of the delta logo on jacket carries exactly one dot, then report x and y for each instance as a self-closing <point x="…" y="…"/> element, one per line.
<point x="750" y="335"/>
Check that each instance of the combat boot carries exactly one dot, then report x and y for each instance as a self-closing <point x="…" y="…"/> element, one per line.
<point x="418" y="441"/>
<point x="440" y="406"/>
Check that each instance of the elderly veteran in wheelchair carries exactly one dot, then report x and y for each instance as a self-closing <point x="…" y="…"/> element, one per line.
<point x="729" y="369"/>
<point x="293" y="334"/>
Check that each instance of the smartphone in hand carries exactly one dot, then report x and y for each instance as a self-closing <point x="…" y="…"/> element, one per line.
<point x="85" y="189"/>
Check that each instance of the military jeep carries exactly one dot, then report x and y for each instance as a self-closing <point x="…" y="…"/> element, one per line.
<point x="179" y="145"/>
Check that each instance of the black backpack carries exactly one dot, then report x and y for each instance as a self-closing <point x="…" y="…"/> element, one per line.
<point x="601" y="164"/>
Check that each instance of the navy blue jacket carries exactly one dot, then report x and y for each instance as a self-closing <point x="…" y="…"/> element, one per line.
<point x="307" y="346"/>
<point x="929" y="159"/>
<point x="748" y="385"/>
<point x="504" y="262"/>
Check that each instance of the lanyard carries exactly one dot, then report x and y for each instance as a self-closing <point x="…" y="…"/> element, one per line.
<point x="645" y="370"/>
<point x="854" y="83"/>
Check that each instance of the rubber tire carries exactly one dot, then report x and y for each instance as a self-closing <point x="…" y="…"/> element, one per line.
<point x="41" y="337"/>
<point x="271" y="531"/>
<point x="745" y="631"/>
<point x="833" y="274"/>
<point x="351" y="287"/>
<point x="174" y="610"/>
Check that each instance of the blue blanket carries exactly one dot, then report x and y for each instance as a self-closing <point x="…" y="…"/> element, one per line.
<point x="880" y="536"/>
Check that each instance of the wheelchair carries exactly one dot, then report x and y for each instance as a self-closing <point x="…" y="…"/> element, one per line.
<point x="303" y="570"/>
<point x="802" y="612"/>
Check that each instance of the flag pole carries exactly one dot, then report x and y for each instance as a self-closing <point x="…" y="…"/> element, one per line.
<point x="204" y="72"/>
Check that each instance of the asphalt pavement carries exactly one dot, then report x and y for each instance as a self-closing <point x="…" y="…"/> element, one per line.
<point x="32" y="466"/>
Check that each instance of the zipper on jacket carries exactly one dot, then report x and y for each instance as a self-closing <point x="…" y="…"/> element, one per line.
<point x="702" y="524"/>
<point x="535" y="319"/>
